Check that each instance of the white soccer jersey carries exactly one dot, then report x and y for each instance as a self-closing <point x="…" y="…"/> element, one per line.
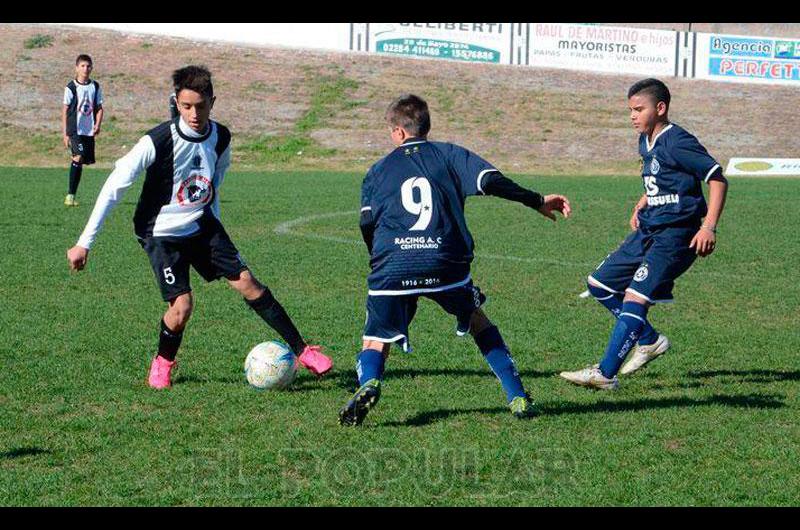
<point x="83" y="102"/>
<point x="184" y="171"/>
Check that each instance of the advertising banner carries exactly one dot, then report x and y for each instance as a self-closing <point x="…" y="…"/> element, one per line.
<point x="604" y="48"/>
<point x="748" y="59"/>
<point x="763" y="166"/>
<point x="461" y="41"/>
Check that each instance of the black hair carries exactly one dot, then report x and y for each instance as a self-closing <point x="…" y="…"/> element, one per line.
<point x="83" y="57"/>
<point x="193" y="77"/>
<point x="411" y="113"/>
<point x="654" y="88"/>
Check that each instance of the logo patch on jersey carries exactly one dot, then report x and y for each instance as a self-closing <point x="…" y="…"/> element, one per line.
<point x="655" y="167"/>
<point x="86" y="106"/>
<point x="197" y="162"/>
<point x="195" y="190"/>
<point x="641" y="273"/>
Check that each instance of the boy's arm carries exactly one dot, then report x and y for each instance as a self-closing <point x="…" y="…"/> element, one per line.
<point x="98" y="116"/>
<point x="98" y="119"/>
<point x="124" y="175"/>
<point x="497" y="184"/>
<point x="223" y="163"/>
<point x="66" y="101"/>
<point x="64" y="125"/>
<point x="367" y="226"/>
<point x="705" y="240"/>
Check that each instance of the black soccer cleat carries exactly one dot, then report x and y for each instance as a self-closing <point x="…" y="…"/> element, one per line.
<point x="357" y="407"/>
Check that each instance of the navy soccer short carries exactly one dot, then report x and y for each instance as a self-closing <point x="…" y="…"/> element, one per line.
<point x="388" y="317"/>
<point x="210" y="251"/>
<point x="647" y="263"/>
<point x="83" y="146"/>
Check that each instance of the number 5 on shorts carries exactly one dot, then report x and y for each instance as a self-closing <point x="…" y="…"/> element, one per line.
<point x="168" y="276"/>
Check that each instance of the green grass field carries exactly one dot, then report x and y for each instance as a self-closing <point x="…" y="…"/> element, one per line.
<point x="714" y="422"/>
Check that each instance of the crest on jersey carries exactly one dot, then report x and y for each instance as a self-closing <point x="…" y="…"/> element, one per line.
<point x="197" y="162"/>
<point x="195" y="190"/>
<point x="655" y="167"/>
<point x="641" y="273"/>
<point x="86" y="106"/>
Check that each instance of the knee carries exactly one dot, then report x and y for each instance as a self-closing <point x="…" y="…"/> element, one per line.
<point x="598" y="292"/>
<point x="78" y="159"/>
<point x="383" y="347"/>
<point x="479" y="322"/>
<point x="247" y="285"/>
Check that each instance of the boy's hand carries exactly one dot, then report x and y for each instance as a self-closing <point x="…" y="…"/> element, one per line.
<point x="634" y="222"/>
<point x="96" y="130"/>
<point x="66" y="141"/>
<point x="704" y="242"/>
<point x="77" y="256"/>
<point x="555" y="203"/>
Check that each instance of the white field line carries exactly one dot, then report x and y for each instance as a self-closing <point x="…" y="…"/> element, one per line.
<point x="287" y="228"/>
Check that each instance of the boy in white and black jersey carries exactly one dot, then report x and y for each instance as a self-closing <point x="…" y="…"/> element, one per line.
<point x="177" y="221"/>
<point x="81" y="117"/>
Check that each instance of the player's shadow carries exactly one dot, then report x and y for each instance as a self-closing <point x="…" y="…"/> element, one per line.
<point x="699" y="379"/>
<point x="193" y="379"/>
<point x="347" y="378"/>
<point x="20" y="452"/>
<point x="748" y="376"/>
<point x="557" y="409"/>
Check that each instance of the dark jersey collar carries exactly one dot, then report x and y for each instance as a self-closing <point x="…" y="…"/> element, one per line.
<point x="413" y="140"/>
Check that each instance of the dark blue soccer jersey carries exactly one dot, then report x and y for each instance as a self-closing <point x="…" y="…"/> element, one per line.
<point x="416" y="197"/>
<point x="674" y="167"/>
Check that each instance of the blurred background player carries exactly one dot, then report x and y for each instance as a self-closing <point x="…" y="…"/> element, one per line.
<point x="412" y="220"/>
<point x="669" y="233"/>
<point x="81" y="117"/>
<point x="177" y="221"/>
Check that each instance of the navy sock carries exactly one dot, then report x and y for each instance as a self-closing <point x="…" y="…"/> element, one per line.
<point x="75" y="171"/>
<point x="626" y="332"/>
<point x="369" y="365"/>
<point x="613" y="302"/>
<point x="496" y="353"/>
<point x="168" y="342"/>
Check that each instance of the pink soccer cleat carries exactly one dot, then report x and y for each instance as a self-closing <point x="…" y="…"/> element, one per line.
<point x="160" y="370"/>
<point x="316" y="362"/>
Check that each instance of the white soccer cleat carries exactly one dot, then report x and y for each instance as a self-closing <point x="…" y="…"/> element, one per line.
<point x="644" y="354"/>
<point x="592" y="377"/>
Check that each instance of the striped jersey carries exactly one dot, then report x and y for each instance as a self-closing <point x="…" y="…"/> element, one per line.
<point x="184" y="171"/>
<point x="82" y="101"/>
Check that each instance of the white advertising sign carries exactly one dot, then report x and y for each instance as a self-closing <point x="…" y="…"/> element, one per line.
<point x="325" y="36"/>
<point x="763" y="166"/>
<point x="748" y="59"/>
<point x="604" y="48"/>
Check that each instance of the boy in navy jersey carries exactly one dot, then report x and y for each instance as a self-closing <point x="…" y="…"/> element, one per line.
<point x="177" y="221"/>
<point x="81" y="117"/>
<point x="672" y="226"/>
<point x="412" y="220"/>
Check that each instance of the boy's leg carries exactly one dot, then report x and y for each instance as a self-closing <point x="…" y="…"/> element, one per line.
<point x="613" y="302"/>
<point x="216" y="256"/>
<point x="465" y="304"/>
<point x="388" y="318"/>
<point x="608" y="282"/>
<point x="171" y="269"/>
<point x="75" y="171"/>
<point x="627" y="329"/>
<point x="261" y="300"/>
<point x="497" y="354"/>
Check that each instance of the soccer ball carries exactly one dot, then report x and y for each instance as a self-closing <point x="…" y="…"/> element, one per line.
<point x="270" y="365"/>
